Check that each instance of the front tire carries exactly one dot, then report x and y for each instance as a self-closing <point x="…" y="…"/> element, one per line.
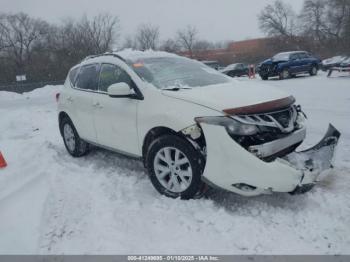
<point x="284" y="74"/>
<point x="73" y="143"/>
<point x="313" y="71"/>
<point x="265" y="78"/>
<point x="175" y="167"/>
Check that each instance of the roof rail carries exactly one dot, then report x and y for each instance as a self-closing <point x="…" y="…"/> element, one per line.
<point x="105" y="54"/>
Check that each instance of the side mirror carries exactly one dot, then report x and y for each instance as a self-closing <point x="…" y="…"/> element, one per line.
<point x="121" y="90"/>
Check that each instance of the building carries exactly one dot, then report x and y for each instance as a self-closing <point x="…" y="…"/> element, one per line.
<point x="247" y="51"/>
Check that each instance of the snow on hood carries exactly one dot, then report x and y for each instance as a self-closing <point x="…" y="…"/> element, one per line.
<point x="230" y="95"/>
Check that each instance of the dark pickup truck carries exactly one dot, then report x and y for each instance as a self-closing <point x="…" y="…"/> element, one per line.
<point x="289" y="64"/>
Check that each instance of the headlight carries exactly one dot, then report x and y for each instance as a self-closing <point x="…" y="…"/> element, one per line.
<point x="301" y="120"/>
<point x="232" y="126"/>
<point x="301" y="117"/>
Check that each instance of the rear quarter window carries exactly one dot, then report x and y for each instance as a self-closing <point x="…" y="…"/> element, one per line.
<point x="88" y="77"/>
<point x="73" y="75"/>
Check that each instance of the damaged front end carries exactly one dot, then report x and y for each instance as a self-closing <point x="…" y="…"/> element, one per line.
<point x="315" y="160"/>
<point x="255" y="153"/>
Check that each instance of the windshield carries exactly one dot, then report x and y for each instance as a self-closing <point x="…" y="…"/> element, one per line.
<point x="346" y="60"/>
<point x="177" y="72"/>
<point x="233" y="66"/>
<point x="281" y="57"/>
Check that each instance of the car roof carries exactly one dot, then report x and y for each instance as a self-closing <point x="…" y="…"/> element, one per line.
<point x="133" y="55"/>
<point x="124" y="55"/>
<point x="209" y="62"/>
<point x="292" y="52"/>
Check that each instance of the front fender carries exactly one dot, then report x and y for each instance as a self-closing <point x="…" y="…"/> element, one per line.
<point x="281" y="66"/>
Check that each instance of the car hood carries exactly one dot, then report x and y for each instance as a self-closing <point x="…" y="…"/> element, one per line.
<point x="233" y="95"/>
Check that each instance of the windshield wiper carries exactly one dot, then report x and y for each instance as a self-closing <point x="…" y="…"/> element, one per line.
<point x="174" y="88"/>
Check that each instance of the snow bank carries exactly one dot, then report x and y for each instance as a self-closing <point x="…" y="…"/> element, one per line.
<point x="44" y="92"/>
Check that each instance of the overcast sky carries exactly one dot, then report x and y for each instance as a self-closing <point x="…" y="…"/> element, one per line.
<point x="214" y="19"/>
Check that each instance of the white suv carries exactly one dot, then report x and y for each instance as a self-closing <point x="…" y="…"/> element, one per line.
<point x="191" y="125"/>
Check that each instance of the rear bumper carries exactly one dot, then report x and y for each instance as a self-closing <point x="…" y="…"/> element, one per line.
<point x="231" y="167"/>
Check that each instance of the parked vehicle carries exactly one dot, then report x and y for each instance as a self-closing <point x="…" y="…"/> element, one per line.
<point x="213" y="64"/>
<point x="236" y="70"/>
<point x="332" y="62"/>
<point x="344" y="66"/>
<point x="289" y="64"/>
<point x="191" y="125"/>
<point x="345" y="63"/>
<point x="257" y="68"/>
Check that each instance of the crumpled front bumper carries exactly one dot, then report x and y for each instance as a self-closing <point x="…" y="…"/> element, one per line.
<point x="315" y="160"/>
<point x="231" y="167"/>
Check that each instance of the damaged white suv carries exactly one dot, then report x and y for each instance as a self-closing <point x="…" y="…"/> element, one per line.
<point x="191" y="125"/>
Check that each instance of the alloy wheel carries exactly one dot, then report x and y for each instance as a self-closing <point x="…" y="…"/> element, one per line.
<point x="285" y="74"/>
<point x="69" y="137"/>
<point x="173" y="169"/>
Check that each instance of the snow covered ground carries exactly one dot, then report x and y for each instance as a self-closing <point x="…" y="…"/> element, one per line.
<point x="104" y="203"/>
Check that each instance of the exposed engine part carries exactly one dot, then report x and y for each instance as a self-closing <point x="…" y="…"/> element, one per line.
<point x="279" y="147"/>
<point x="193" y="131"/>
<point x="284" y="120"/>
<point x="194" y="135"/>
<point x="274" y="128"/>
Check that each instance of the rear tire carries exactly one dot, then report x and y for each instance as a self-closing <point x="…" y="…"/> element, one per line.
<point x="264" y="77"/>
<point x="75" y="146"/>
<point x="175" y="167"/>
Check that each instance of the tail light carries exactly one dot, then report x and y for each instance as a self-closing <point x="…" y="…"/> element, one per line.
<point x="57" y="97"/>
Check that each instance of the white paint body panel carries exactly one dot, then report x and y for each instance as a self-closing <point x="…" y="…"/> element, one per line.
<point x="230" y="95"/>
<point x="115" y="123"/>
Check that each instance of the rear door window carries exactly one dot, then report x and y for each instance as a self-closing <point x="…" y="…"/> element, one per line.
<point x="302" y="55"/>
<point x="294" y="57"/>
<point x="88" y="77"/>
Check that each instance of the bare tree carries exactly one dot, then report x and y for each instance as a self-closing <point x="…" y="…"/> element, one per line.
<point x="277" y="19"/>
<point x="170" y="45"/>
<point x="129" y="42"/>
<point x="339" y="23"/>
<point x="187" y="37"/>
<point x="19" y="33"/>
<point x="100" y="33"/>
<point x="313" y="19"/>
<point x="338" y="17"/>
<point x="147" y="37"/>
<point x="327" y="24"/>
<point x="203" y="45"/>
